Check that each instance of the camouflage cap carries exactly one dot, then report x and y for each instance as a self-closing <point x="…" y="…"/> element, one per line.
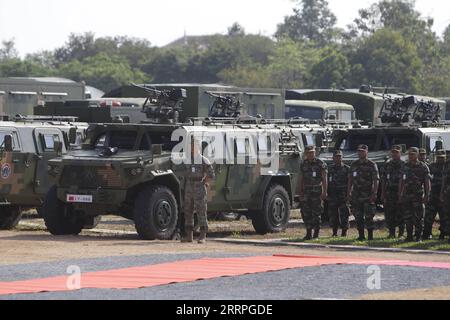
<point x="422" y="151"/>
<point x="310" y="148"/>
<point x="441" y="154"/>
<point x="413" y="150"/>
<point x="396" y="148"/>
<point x="363" y="147"/>
<point x="338" y="153"/>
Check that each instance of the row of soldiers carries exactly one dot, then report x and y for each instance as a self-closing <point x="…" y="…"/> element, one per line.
<point x="412" y="193"/>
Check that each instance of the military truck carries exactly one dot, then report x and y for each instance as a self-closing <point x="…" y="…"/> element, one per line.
<point x="267" y="103"/>
<point x="20" y="95"/>
<point x="131" y="170"/>
<point x="26" y="146"/>
<point x="320" y="110"/>
<point x="367" y="102"/>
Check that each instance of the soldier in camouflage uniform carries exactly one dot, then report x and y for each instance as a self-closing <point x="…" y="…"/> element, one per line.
<point x="434" y="206"/>
<point x="390" y="186"/>
<point x="415" y="190"/>
<point x="445" y="200"/>
<point x="423" y="156"/>
<point x="313" y="191"/>
<point x="338" y="211"/>
<point x="197" y="178"/>
<point x="362" y="192"/>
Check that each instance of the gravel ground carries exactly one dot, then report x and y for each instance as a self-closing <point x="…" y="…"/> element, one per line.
<point x="326" y="282"/>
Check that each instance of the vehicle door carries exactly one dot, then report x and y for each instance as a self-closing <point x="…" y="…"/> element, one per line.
<point x="14" y="165"/>
<point x="44" y="139"/>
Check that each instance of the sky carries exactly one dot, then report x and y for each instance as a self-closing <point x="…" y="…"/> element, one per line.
<point x="37" y="25"/>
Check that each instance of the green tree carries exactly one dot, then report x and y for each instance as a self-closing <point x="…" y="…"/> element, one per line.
<point x="312" y="21"/>
<point x="102" y="71"/>
<point x="331" y="70"/>
<point x="8" y="50"/>
<point x="388" y="59"/>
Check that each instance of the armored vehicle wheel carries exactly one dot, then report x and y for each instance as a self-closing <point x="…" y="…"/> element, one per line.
<point x="91" y="222"/>
<point x="155" y="213"/>
<point x="57" y="216"/>
<point x="9" y="217"/>
<point x="274" y="216"/>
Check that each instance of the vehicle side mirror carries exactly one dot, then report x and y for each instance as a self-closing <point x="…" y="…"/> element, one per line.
<point x="403" y="148"/>
<point x="72" y="135"/>
<point x="58" y="147"/>
<point x="7" y="143"/>
<point x="439" y="145"/>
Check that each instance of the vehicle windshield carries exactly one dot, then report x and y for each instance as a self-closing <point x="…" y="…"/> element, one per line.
<point x="117" y="139"/>
<point x="353" y="140"/>
<point x="304" y="112"/>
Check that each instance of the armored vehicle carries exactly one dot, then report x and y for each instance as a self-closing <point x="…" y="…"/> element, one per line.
<point x="104" y="110"/>
<point x="320" y="110"/>
<point x="268" y="103"/>
<point x="407" y="122"/>
<point x="135" y="171"/>
<point x="26" y="146"/>
<point x="20" y="95"/>
<point x="366" y="101"/>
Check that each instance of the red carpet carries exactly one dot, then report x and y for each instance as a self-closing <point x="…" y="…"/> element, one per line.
<point x="191" y="270"/>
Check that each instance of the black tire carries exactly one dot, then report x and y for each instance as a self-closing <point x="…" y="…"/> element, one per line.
<point x="57" y="216"/>
<point x="156" y="213"/>
<point x="9" y="217"/>
<point x="90" y="223"/>
<point x="274" y="216"/>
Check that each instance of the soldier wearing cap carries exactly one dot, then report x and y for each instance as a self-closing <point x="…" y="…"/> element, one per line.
<point x="414" y="194"/>
<point x="434" y="206"/>
<point x="390" y="183"/>
<point x="338" y="211"/>
<point x="313" y="191"/>
<point x="445" y="200"/>
<point x="423" y="156"/>
<point x="362" y="191"/>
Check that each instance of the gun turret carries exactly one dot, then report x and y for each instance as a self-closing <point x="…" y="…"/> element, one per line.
<point x="225" y="106"/>
<point x="408" y="109"/>
<point x="163" y="106"/>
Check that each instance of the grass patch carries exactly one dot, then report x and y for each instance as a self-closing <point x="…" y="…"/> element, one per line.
<point x="381" y="241"/>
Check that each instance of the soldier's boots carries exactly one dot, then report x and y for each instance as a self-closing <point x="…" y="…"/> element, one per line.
<point x="189" y="236"/>
<point x="316" y="233"/>
<point x="370" y="234"/>
<point x="202" y="237"/>
<point x="391" y="233"/>
<point x="427" y="233"/>
<point x="335" y="232"/>
<point x="361" y="235"/>
<point x="401" y="231"/>
<point x="344" y="233"/>
<point x="308" y="235"/>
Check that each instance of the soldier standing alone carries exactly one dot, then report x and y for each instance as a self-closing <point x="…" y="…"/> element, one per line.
<point x="362" y="191"/>
<point x="434" y="206"/>
<point x="313" y="191"/>
<point x="337" y="194"/>
<point x="390" y="184"/>
<point x="198" y="175"/>
<point x="414" y="194"/>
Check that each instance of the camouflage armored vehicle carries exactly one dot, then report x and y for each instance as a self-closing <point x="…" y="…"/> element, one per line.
<point x="134" y="171"/>
<point x="268" y="103"/>
<point x="405" y="121"/>
<point x="366" y="101"/>
<point x="26" y="146"/>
